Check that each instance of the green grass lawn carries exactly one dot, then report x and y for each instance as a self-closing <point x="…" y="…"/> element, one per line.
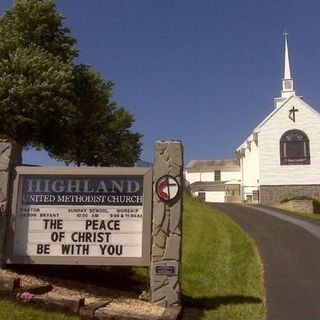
<point x="18" y="311"/>
<point x="222" y="273"/>
<point x="312" y="216"/>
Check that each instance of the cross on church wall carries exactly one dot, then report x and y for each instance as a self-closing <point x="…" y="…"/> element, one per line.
<point x="292" y="113"/>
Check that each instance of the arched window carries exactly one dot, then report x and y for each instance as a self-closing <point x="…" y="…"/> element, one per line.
<point x="294" y="148"/>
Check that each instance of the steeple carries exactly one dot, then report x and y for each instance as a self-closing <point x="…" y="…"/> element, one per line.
<point x="287" y="82"/>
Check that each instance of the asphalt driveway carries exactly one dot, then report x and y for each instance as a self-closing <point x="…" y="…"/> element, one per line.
<point x="289" y="247"/>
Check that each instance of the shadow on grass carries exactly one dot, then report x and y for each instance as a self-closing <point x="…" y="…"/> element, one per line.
<point x="194" y="307"/>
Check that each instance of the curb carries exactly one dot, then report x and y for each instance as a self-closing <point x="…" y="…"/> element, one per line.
<point x="171" y="313"/>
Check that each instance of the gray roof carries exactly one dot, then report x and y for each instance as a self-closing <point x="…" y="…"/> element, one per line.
<point x="225" y="163"/>
<point x="207" y="186"/>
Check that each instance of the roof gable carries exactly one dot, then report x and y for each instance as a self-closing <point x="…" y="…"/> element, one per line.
<point x="284" y="104"/>
<point x="254" y="135"/>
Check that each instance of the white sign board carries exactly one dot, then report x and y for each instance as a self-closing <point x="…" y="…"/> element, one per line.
<point x="83" y="216"/>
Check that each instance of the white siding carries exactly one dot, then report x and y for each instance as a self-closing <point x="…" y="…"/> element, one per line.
<point x="207" y="176"/>
<point x="212" y="196"/>
<point x="192" y="177"/>
<point x="250" y="166"/>
<point x="230" y="175"/>
<point x="307" y="120"/>
<point x="215" y="196"/>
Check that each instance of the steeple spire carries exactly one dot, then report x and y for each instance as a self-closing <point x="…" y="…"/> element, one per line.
<point x="287" y="71"/>
<point x="287" y="81"/>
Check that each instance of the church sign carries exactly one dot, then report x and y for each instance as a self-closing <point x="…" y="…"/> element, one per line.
<point x="96" y="216"/>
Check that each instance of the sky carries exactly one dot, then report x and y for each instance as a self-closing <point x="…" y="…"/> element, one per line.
<point x="201" y="71"/>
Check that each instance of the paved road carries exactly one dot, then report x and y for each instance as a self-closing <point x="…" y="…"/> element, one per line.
<point x="290" y="250"/>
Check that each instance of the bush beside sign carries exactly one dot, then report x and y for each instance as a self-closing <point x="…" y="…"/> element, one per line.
<point x="96" y="216"/>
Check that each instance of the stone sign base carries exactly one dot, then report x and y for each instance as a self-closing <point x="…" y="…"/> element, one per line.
<point x="166" y="227"/>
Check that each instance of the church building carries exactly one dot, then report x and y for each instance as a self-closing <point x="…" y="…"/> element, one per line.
<point x="280" y="159"/>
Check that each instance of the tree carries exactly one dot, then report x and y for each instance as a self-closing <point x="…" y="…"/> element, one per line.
<point x="98" y="132"/>
<point x="36" y="71"/>
<point x="33" y="96"/>
<point x="47" y="101"/>
<point x="36" y="22"/>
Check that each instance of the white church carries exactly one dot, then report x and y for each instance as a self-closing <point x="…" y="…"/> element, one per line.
<point x="279" y="159"/>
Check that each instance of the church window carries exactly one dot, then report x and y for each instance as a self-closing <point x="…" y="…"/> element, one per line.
<point x="217" y="175"/>
<point x="294" y="148"/>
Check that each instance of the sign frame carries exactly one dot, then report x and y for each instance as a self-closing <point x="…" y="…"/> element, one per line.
<point x="144" y="260"/>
